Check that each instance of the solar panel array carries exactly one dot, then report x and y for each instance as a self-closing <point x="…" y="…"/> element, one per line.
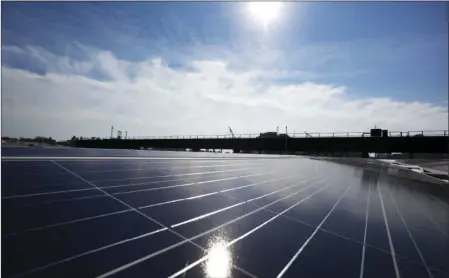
<point x="284" y="217"/>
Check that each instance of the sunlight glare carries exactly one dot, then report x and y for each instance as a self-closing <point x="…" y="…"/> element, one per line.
<point x="219" y="262"/>
<point x="265" y="12"/>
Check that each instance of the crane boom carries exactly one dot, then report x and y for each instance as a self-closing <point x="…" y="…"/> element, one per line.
<point x="233" y="136"/>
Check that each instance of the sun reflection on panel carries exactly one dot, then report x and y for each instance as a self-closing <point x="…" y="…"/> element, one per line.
<point x="219" y="261"/>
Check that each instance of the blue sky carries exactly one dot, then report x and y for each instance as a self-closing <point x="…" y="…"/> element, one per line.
<point x="360" y="56"/>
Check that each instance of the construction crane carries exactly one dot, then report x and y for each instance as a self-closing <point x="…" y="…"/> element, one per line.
<point x="233" y="136"/>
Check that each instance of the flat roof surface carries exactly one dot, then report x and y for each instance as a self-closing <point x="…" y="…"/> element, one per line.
<point x="66" y="213"/>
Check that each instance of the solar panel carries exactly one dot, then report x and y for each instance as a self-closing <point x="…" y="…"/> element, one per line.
<point x="69" y="214"/>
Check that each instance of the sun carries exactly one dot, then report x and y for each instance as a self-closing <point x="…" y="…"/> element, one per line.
<point x="265" y="12"/>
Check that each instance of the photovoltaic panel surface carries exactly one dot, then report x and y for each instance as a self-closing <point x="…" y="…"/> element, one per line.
<point x="130" y="214"/>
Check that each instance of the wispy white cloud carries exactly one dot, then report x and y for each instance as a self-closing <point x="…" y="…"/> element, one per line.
<point x="203" y="96"/>
<point x="13" y="49"/>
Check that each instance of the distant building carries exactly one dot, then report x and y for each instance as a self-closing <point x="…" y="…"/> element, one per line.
<point x="377" y="132"/>
<point x="268" y="135"/>
<point x="272" y="135"/>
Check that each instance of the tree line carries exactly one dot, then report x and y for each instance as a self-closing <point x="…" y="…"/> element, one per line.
<point x="75" y="138"/>
<point x="37" y="139"/>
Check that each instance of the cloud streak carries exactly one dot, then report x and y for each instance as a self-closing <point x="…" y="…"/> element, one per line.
<point x="201" y="96"/>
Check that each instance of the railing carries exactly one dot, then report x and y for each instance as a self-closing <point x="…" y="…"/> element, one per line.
<point x="296" y="135"/>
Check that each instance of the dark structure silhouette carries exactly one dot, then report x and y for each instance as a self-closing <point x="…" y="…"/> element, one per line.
<point x="309" y="145"/>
